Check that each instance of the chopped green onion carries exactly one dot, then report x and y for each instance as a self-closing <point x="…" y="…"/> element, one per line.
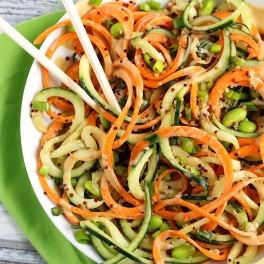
<point x="244" y="95"/>
<point x="95" y="2"/>
<point x="117" y="30"/>
<point x="215" y="48"/>
<point x="161" y="169"/>
<point x="41" y="106"/>
<point x="44" y="170"/>
<point x="154" y="5"/>
<point x="206" y="8"/>
<point x="202" y="86"/>
<point x="233" y="95"/>
<point x="173" y="48"/>
<point x="155" y="234"/>
<point x="92" y="189"/>
<point x="105" y="123"/>
<point x="254" y="94"/>
<point x="144" y="7"/>
<point x="188" y="114"/>
<point x="108" y="24"/>
<point x="70" y="29"/>
<point x="149" y="61"/>
<point x="182" y="161"/>
<point x="188" y="145"/>
<point x="73" y="181"/>
<point x="250" y="106"/>
<point x="82" y="237"/>
<point x="202" y="94"/>
<point x="195" y="171"/>
<point x="56" y="211"/>
<point x="210" y="84"/>
<point x="237" y="61"/>
<point x="158" y="66"/>
<point x="121" y="170"/>
<point x="165" y="226"/>
<point x="178" y="22"/>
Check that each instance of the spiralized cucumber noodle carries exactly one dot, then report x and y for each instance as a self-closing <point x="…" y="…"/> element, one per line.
<point x="177" y="176"/>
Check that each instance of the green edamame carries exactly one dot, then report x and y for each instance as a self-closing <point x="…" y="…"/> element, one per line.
<point x="247" y="127"/>
<point x="183" y="251"/>
<point x="117" y="30"/>
<point x="207" y="8"/>
<point x="234" y="116"/>
<point x="155" y="223"/>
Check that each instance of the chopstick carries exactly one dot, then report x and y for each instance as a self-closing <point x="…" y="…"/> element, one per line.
<point x="90" y="53"/>
<point x="42" y="59"/>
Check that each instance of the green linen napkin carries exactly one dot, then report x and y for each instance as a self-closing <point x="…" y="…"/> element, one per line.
<point x="15" y="189"/>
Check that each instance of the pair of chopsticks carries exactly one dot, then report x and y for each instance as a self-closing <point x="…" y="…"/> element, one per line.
<point x="54" y="69"/>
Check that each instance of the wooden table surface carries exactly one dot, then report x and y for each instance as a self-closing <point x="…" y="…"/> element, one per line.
<point x="14" y="246"/>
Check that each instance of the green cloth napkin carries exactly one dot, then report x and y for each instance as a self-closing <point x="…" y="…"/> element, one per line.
<point x="16" y="192"/>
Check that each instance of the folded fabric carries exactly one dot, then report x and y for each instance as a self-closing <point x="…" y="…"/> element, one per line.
<point x="16" y="192"/>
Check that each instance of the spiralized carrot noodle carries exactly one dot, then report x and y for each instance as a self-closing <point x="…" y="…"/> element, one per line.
<point x="187" y="146"/>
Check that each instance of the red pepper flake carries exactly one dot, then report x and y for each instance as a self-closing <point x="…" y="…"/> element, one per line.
<point x="84" y="202"/>
<point x="67" y="58"/>
<point x="111" y="206"/>
<point x="96" y="199"/>
<point x="126" y="18"/>
<point x="45" y="193"/>
<point x="71" y="194"/>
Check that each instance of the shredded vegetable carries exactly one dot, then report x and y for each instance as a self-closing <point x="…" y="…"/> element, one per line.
<point x="177" y="176"/>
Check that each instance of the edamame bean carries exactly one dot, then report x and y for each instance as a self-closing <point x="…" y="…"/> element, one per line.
<point x="155" y="223"/>
<point x="235" y="115"/>
<point x="117" y="30"/>
<point x="247" y="127"/>
<point x="207" y="8"/>
<point x="183" y="251"/>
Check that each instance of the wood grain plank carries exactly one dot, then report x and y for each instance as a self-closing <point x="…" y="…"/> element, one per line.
<point x="16" y="11"/>
<point x="14" y="246"/>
